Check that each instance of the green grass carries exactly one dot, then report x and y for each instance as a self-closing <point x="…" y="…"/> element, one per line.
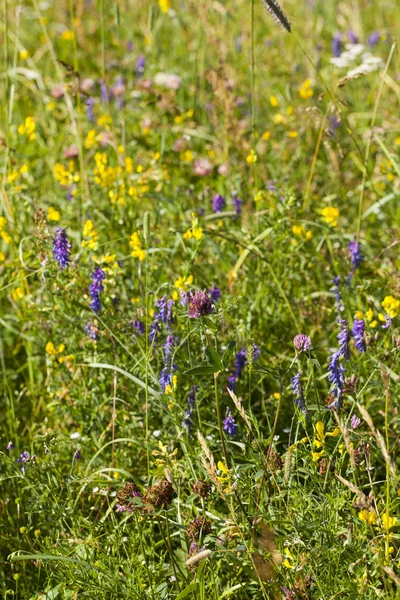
<point x="302" y="504"/>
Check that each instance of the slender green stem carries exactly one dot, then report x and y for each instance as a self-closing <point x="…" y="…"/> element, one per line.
<point x="221" y="432"/>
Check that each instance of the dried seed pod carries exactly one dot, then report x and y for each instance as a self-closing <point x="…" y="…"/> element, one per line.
<point x="273" y="461"/>
<point x="202" y="488"/>
<point x="160" y="495"/>
<point x="197" y="528"/>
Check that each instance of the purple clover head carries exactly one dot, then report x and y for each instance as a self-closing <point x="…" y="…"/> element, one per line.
<point x="302" y="342"/>
<point x="230" y="426"/>
<point x="355" y="422"/>
<point x="200" y="305"/>
<point x="61" y="248"/>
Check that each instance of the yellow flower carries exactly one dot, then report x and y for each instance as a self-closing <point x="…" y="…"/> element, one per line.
<point x="28" y="128"/>
<point x="252" y="157"/>
<point x="136" y="245"/>
<point x="391" y="306"/>
<point x="388" y="522"/>
<point x="90" y="232"/>
<point x="279" y="119"/>
<point x="368" y="516"/>
<point x="104" y="120"/>
<point x="300" y="231"/>
<point x="317" y="455"/>
<point x="50" y="349"/>
<point x="331" y="215"/>
<point x="67" y="35"/>
<point x="273" y="100"/>
<point x="17" y="294"/>
<point x="222" y="468"/>
<point x="7" y="239"/>
<point x="286" y="562"/>
<point x="306" y="90"/>
<point x="358" y="315"/>
<point x="195" y="231"/>
<point x="90" y="141"/>
<point x="53" y="214"/>
<point x="260" y="195"/>
<point x="3" y="223"/>
<point x="266" y="135"/>
<point x="164" y="5"/>
<point x="23" y="54"/>
<point x="369" y="315"/>
<point x="183" y="283"/>
<point x="293" y="134"/>
<point x="2" y="257"/>
<point x="276" y="395"/>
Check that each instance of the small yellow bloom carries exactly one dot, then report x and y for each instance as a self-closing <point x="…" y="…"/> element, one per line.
<point x="164" y="5"/>
<point x="266" y="135"/>
<point x="90" y="232"/>
<point x="2" y="257"/>
<point x="293" y="134"/>
<point x="53" y="214"/>
<point x="368" y="516"/>
<point x="369" y="315"/>
<point x="23" y="54"/>
<point x="183" y="283"/>
<point x="222" y="468"/>
<point x="6" y="238"/>
<point x="3" y="223"/>
<point x="331" y="215"/>
<point x="136" y="245"/>
<point x="260" y="195"/>
<point x="388" y="522"/>
<point x="67" y="35"/>
<point x="17" y="294"/>
<point x="279" y="119"/>
<point x="273" y="100"/>
<point x="50" y="349"/>
<point x="252" y="157"/>
<point x="277" y="396"/>
<point x="306" y="90"/>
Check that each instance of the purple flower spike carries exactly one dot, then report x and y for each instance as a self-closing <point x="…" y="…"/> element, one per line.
<point x="96" y="288"/>
<point x="77" y="455"/>
<point x="219" y="203"/>
<point x="355" y="422"/>
<point x="302" y="342"/>
<point x="373" y="39"/>
<point x="358" y="334"/>
<point x="344" y="339"/>
<point x="140" y="65"/>
<point x="230" y="426"/>
<point x="237" y="204"/>
<point x="89" y="109"/>
<point x="200" y="305"/>
<point x="353" y="38"/>
<point x="355" y="254"/>
<point x="337" y="44"/>
<point x="61" y="248"/>
<point x="215" y="293"/>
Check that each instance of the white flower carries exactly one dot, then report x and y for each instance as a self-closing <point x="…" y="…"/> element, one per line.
<point x="75" y="436"/>
<point x="168" y="80"/>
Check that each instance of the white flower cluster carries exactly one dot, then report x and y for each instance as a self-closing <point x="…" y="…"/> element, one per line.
<point x="354" y="52"/>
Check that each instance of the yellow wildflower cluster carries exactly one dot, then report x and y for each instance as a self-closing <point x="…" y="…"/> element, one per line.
<point x="90" y="232"/>
<point x="224" y="479"/>
<point x="169" y="389"/>
<point x="14" y="176"/>
<point x="195" y="231"/>
<point x="28" y="128"/>
<point x="105" y="175"/>
<point x="182" y="283"/>
<point x="370" y="517"/>
<point x="54" y="352"/>
<point x="274" y="102"/>
<point x="306" y="90"/>
<point x="331" y="215"/>
<point x="3" y="233"/>
<point x="166" y="457"/>
<point x="301" y="232"/>
<point x="184" y="116"/>
<point x="320" y="437"/>
<point x="91" y="139"/>
<point x="289" y="557"/>
<point x="118" y="196"/>
<point x="17" y="294"/>
<point x="136" y="245"/>
<point x="391" y="306"/>
<point x="66" y="177"/>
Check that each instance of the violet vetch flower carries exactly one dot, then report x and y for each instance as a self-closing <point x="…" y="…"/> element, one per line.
<point x="10" y="446"/>
<point x="355" y="254"/>
<point x="187" y="420"/>
<point x="334" y="124"/>
<point x="219" y="203"/>
<point x="61" y="248"/>
<point x="166" y="374"/>
<point x="96" y="288"/>
<point x="337" y="44"/>
<point x="214" y="293"/>
<point x="355" y="422"/>
<point x="337" y="293"/>
<point x="373" y="39"/>
<point x="92" y="330"/>
<point x="230" y="426"/>
<point x="200" y="305"/>
<point x="139" y="326"/>
<point x="162" y="314"/>
<point x="140" y="66"/>
<point x="353" y="38"/>
<point x="297" y="388"/>
<point x="25" y="458"/>
<point x="237" y="204"/>
<point x="89" y="109"/>
<point x="103" y="91"/>
<point x="77" y="454"/>
<point x="358" y="334"/>
<point x="388" y="322"/>
<point x="302" y="342"/>
<point x="241" y="360"/>
<point x="344" y="339"/>
<point x="336" y="377"/>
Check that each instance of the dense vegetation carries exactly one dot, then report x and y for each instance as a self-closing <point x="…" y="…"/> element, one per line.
<point x="200" y="300"/>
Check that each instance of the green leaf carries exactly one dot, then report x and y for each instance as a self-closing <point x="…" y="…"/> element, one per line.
<point x="202" y="370"/>
<point x="139" y="382"/>
<point x="228" y="353"/>
<point x="210" y="324"/>
<point x="213" y="358"/>
<point x="188" y="589"/>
